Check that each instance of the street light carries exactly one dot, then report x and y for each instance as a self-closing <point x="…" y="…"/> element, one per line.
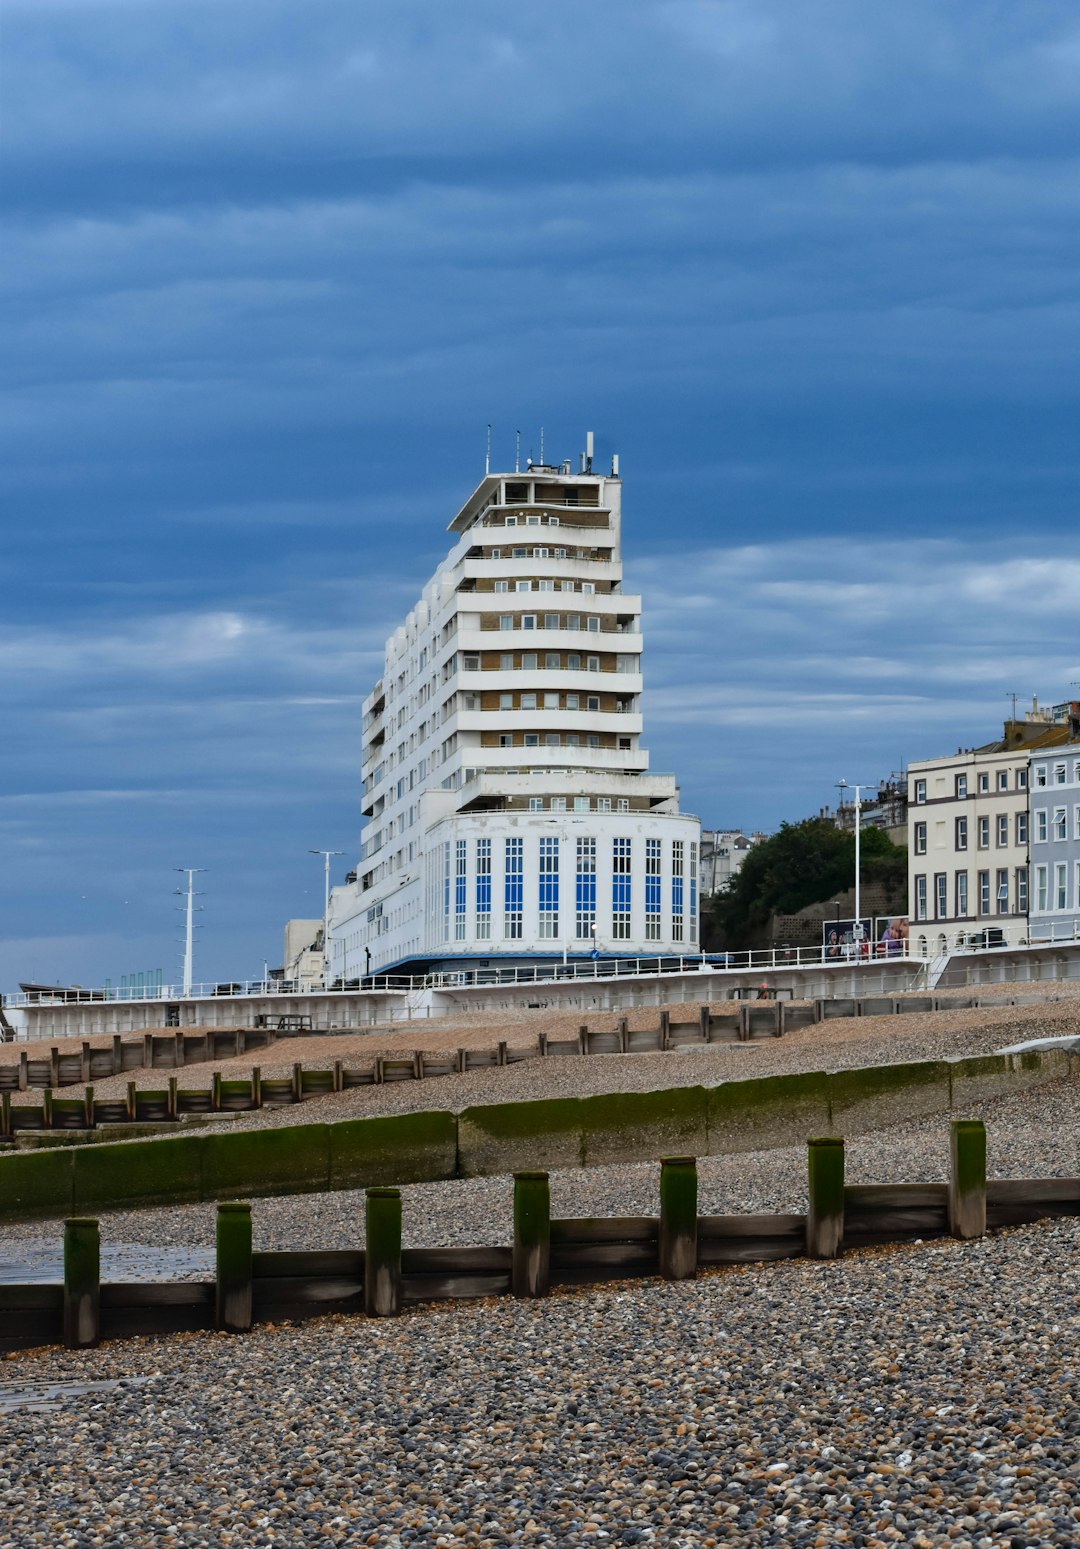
<point x="189" y="931"/>
<point x="842" y="786"/>
<point x="326" y="854"/>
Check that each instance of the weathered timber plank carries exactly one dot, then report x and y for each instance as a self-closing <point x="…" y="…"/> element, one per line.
<point x="590" y="1229"/>
<point x="455" y="1261"/>
<point x="885" y="1196"/>
<point x="309" y="1263"/>
<point x="438" y="1288"/>
<point x="27" y="1298"/>
<point x="603" y="1255"/>
<point x="157" y="1293"/>
<point x="1023" y="1191"/>
<point x="300" y="1291"/>
<point x="894" y="1223"/>
<point x="748" y="1250"/>
<point x="725" y="1227"/>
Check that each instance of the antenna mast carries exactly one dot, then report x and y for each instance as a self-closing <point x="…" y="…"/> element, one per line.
<point x="487" y="454"/>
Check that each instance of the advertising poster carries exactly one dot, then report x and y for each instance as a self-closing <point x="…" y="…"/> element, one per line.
<point x="891" y="935"/>
<point x="845" y="939"/>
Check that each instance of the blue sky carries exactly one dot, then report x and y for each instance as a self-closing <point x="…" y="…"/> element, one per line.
<point x="269" y="269"/>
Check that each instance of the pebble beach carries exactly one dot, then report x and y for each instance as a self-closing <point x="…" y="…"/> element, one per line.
<point x="923" y="1395"/>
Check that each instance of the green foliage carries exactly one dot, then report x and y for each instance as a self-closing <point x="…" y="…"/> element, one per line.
<point x="803" y="863"/>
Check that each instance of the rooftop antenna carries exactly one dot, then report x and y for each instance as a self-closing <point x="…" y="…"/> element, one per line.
<point x="588" y="451"/>
<point x="1014" y="698"/>
<point x="541" y="446"/>
<point x="517" y="451"/>
<point x="487" y="455"/>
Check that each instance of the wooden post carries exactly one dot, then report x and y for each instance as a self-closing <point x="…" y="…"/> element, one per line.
<point x="256" y="1086"/>
<point x="531" y="1261"/>
<point x="48" y="1119"/>
<point x="82" y="1283"/>
<point x="382" y="1253"/>
<point x="665" y="1029"/>
<point x="148" y="1051"/>
<point x="624" y="1035"/>
<point x="173" y="1105"/>
<point x="678" y="1218"/>
<point x="379" y="1073"/>
<point x="178" y="1056"/>
<point x="5" y="1115"/>
<point x="339" y="1081"/>
<point x="583" y="1040"/>
<point x="238" y="1043"/>
<point x="967" y="1178"/>
<point x="232" y="1292"/>
<point x="88" y="1108"/>
<point x="419" y="1065"/>
<point x="215" y="1091"/>
<point x="54" y="1067"/>
<point x="23" y="1072"/>
<point x="463" y="1060"/>
<point x="705" y="1023"/>
<point x="502" y="1051"/>
<point x="132" y="1101"/>
<point x="298" y="1083"/>
<point x="117" y="1054"/>
<point x="542" y="1041"/>
<point x="825" y="1212"/>
<point x="84" y="1062"/>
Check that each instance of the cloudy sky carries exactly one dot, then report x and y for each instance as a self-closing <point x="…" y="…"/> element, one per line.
<point x="268" y="270"/>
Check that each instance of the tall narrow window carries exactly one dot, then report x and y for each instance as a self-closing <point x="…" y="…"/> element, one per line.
<point x="514" y="890"/>
<point x="652" y="890"/>
<point x="585" y="892"/>
<point x="693" y="890"/>
<point x="984" y="892"/>
<point x="1041" y="899"/>
<point x="549" y="888"/>
<point x="920" y="898"/>
<point x="1061" y="886"/>
<point x="620" y="889"/>
<point x="1002" y="891"/>
<point x="677" y="890"/>
<point x="459" y="889"/>
<point x="961" y="893"/>
<point x="446" y="891"/>
<point x="483" y="889"/>
<point x="941" y="896"/>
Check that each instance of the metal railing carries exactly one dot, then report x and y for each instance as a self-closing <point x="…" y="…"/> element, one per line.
<point x="758" y="961"/>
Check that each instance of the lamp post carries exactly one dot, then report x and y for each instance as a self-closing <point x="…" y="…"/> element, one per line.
<point x="326" y="854"/>
<point x="189" y="924"/>
<point x="842" y="786"/>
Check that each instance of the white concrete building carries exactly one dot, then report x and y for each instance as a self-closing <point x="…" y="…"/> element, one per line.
<point x="511" y="815"/>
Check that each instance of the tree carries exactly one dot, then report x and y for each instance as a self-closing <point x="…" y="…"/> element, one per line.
<point x="802" y="863"/>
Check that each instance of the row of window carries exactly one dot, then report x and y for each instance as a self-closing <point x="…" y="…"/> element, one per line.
<point x="1056" y="774"/>
<point x="554" y="739"/>
<point x="683" y="899"/>
<point x="578" y="804"/>
<point x="569" y="621"/>
<point x="547" y="661"/>
<point x="1052" y="888"/>
<point x="1050" y="824"/>
<point x="1053" y="824"/>
<point x="984" y="827"/>
<point x="991" y="895"/>
<point x="961" y="788"/>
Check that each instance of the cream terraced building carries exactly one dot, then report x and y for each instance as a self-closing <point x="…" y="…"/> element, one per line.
<point x="510" y="815"/>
